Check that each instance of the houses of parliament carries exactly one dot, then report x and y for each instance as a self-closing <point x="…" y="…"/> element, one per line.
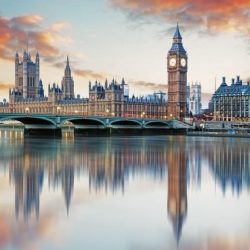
<point x="108" y="99"/>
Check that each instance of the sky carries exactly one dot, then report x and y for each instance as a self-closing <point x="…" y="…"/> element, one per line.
<point x="126" y="38"/>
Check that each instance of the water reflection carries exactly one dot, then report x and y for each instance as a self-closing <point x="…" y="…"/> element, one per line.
<point x="230" y="165"/>
<point x="177" y="186"/>
<point x="110" y="164"/>
<point x="28" y="186"/>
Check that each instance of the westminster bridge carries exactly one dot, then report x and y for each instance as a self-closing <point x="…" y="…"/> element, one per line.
<point x="56" y="123"/>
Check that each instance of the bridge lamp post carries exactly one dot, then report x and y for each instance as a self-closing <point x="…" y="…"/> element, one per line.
<point x="107" y="112"/>
<point x="181" y="114"/>
<point x="171" y="116"/>
<point x="76" y="112"/>
<point x="113" y="114"/>
<point x="27" y="110"/>
<point x="58" y="109"/>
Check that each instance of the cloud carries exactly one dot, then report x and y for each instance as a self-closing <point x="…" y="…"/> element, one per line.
<point x="84" y="73"/>
<point x="22" y="22"/>
<point x="208" y="16"/>
<point x="5" y="86"/>
<point x="90" y="74"/>
<point x="148" y="85"/>
<point x="16" y="31"/>
<point x="5" y="234"/>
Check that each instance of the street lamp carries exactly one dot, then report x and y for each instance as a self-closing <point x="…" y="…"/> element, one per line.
<point x="76" y="111"/>
<point x="107" y="111"/>
<point x="202" y="125"/>
<point x="27" y="110"/>
<point x="58" y="109"/>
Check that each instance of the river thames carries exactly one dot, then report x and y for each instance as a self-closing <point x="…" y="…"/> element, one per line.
<point x="124" y="193"/>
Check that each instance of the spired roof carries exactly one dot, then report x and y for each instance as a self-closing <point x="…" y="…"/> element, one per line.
<point x="177" y="42"/>
<point x="177" y="34"/>
<point x="177" y="47"/>
<point x="234" y="89"/>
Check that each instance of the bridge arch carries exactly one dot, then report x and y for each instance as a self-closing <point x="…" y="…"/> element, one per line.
<point x="157" y="124"/>
<point x="84" y="121"/>
<point x="125" y="122"/>
<point x="30" y="120"/>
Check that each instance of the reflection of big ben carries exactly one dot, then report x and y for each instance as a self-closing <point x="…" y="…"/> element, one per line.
<point x="177" y="187"/>
<point x="177" y="77"/>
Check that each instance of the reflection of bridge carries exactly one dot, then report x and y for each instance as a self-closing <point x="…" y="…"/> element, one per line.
<point x="56" y="122"/>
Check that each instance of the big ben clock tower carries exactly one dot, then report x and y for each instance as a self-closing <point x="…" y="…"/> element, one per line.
<point x="177" y="78"/>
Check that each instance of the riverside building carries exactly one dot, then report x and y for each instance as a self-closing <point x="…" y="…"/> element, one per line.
<point x="107" y="99"/>
<point x="231" y="102"/>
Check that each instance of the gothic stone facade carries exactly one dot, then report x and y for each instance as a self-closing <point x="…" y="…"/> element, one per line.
<point x="108" y="99"/>
<point x="27" y="76"/>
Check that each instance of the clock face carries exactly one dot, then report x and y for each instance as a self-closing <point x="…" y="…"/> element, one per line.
<point x="172" y="62"/>
<point x="183" y="62"/>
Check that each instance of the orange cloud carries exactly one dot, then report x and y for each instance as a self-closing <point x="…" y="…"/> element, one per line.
<point x="90" y="74"/>
<point x="5" y="86"/>
<point x="16" y="31"/>
<point x="207" y="15"/>
<point x="4" y="231"/>
<point x="149" y="85"/>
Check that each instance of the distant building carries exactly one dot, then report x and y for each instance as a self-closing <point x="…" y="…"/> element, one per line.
<point x="231" y="102"/>
<point x="194" y="98"/>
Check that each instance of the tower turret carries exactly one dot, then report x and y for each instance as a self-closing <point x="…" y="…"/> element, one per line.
<point x="37" y="77"/>
<point x="68" y="83"/>
<point x="16" y="71"/>
<point x="123" y="82"/>
<point x="67" y="71"/>
<point x="40" y="90"/>
<point x="25" y="74"/>
<point x="106" y="84"/>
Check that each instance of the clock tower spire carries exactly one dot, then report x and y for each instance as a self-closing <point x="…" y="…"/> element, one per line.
<point x="177" y="78"/>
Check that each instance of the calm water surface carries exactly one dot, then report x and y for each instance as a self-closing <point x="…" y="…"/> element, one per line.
<point x="130" y="193"/>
